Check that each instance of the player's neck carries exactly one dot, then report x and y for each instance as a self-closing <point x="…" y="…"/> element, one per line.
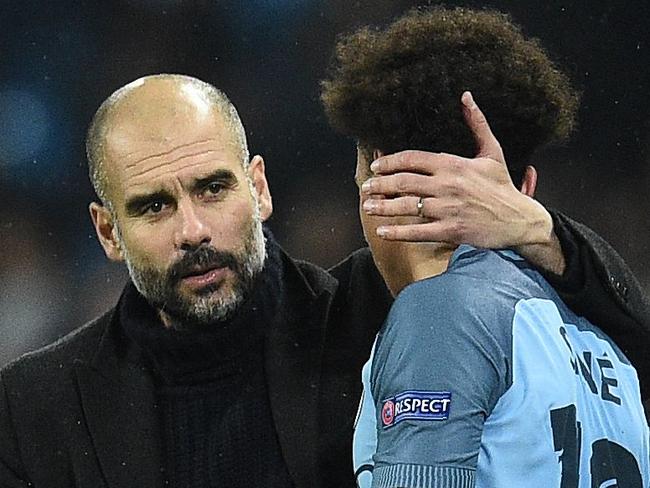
<point x="418" y="263"/>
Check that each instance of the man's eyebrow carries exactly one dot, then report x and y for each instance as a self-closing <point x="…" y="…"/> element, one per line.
<point x="223" y="175"/>
<point x="135" y="203"/>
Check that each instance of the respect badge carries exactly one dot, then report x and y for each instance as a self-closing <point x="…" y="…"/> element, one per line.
<point x="415" y="405"/>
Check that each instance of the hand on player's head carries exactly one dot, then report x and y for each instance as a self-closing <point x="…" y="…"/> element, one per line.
<point x="463" y="200"/>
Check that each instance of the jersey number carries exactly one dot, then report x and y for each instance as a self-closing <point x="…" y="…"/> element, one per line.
<point x="611" y="465"/>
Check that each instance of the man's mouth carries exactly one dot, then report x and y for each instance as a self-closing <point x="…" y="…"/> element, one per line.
<point x="202" y="277"/>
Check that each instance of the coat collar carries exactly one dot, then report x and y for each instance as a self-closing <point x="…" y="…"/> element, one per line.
<point x="294" y="347"/>
<point x="119" y="402"/>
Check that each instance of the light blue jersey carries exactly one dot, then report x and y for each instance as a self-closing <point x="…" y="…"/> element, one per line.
<point x="483" y="377"/>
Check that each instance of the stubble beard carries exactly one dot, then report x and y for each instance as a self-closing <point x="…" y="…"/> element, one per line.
<point x="210" y="304"/>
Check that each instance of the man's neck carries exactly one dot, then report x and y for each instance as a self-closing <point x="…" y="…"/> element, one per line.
<point x="418" y="263"/>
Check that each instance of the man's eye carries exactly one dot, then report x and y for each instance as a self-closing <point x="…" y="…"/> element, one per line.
<point x="155" y="207"/>
<point x="214" y="188"/>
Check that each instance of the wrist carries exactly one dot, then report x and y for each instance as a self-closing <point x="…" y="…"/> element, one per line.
<point x="542" y="247"/>
<point x="535" y="224"/>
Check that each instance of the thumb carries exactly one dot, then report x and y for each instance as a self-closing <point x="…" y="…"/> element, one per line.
<point x="487" y="145"/>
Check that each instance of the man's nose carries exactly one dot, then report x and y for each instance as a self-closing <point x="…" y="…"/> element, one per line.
<point x="193" y="230"/>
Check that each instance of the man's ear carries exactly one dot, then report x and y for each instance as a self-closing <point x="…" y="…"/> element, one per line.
<point x="106" y="233"/>
<point x="529" y="181"/>
<point x="257" y="173"/>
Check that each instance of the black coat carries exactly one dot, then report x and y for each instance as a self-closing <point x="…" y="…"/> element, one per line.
<point x="80" y="413"/>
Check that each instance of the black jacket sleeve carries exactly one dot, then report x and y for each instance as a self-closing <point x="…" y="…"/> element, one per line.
<point x="600" y="286"/>
<point x="10" y="463"/>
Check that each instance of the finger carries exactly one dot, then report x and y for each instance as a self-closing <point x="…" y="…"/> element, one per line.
<point x="420" y="162"/>
<point x="407" y="206"/>
<point x="400" y="184"/>
<point x="436" y="231"/>
<point x="394" y="207"/>
<point x="486" y="144"/>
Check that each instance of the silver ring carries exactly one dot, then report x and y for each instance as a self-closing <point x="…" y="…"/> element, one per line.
<point x="420" y="207"/>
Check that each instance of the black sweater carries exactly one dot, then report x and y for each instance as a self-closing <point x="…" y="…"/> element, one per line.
<point x="215" y="417"/>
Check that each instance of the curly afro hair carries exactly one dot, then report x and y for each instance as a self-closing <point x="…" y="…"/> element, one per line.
<point x="399" y="88"/>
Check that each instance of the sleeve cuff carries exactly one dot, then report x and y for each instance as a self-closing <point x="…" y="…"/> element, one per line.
<point x="572" y="280"/>
<point x="419" y="476"/>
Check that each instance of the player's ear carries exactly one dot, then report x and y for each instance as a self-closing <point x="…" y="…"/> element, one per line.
<point x="529" y="181"/>
<point x="106" y="232"/>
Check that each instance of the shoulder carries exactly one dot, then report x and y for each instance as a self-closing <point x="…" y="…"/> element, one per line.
<point x="453" y="330"/>
<point x="476" y="285"/>
<point x="360" y="279"/>
<point x="358" y="268"/>
<point x="315" y="276"/>
<point x="44" y="364"/>
<point x="355" y="274"/>
<point x="359" y="259"/>
<point x="360" y="296"/>
<point x="474" y="301"/>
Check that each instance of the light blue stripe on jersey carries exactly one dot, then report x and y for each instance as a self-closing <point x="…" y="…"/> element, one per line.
<point x="558" y="396"/>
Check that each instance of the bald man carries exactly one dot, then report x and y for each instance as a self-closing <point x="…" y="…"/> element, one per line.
<point x="225" y="362"/>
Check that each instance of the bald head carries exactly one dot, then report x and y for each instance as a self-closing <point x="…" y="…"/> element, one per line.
<point x="154" y="107"/>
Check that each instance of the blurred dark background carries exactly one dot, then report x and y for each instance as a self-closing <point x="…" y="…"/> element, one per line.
<point x="60" y="59"/>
